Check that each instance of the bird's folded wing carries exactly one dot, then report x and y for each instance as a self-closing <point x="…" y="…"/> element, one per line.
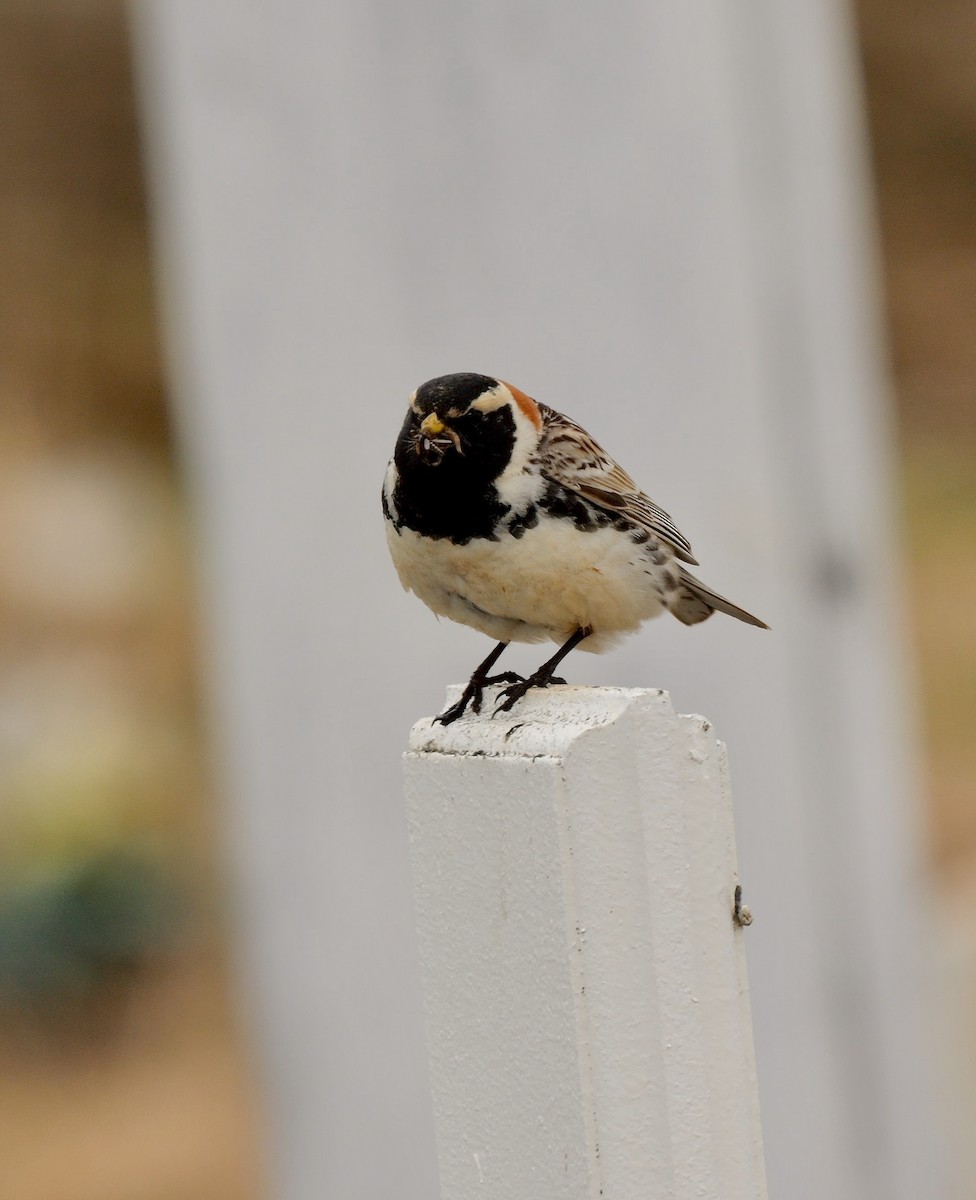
<point x="569" y="456"/>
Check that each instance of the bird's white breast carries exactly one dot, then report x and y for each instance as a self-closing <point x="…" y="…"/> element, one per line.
<point x="548" y="583"/>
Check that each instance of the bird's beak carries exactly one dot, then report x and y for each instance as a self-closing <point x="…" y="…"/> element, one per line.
<point x="432" y="425"/>
<point x="434" y="438"/>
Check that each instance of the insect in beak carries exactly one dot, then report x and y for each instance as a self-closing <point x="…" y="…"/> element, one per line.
<point x="434" y="437"/>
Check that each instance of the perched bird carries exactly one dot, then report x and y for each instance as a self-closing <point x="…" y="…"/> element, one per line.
<point x="505" y="515"/>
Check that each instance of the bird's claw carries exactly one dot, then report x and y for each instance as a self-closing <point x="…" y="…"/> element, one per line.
<point x="450" y="715"/>
<point x="506" y="677"/>
<point x="473" y="695"/>
<point x="511" y="695"/>
<point x="481" y="684"/>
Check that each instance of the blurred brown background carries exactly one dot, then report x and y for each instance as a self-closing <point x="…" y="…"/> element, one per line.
<point x="921" y="92"/>
<point x="122" y="1072"/>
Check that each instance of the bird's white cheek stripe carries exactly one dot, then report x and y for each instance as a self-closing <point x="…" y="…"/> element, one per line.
<point x="516" y="485"/>
<point x="493" y="399"/>
<point x="502" y="394"/>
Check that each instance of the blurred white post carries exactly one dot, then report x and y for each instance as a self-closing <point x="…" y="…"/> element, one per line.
<point x="584" y="976"/>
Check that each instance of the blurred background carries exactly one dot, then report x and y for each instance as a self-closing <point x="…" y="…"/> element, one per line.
<point x="124" y="1072"/>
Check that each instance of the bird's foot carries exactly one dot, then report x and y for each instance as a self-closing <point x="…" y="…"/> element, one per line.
<point x="473" y="695"/>
<point x="505" y="677"/>
<point x="450" y="715"/>
<point x="511" y="695"/>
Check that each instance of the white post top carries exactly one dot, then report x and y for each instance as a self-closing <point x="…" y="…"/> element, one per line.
<point x="584" y="977"/>
<point x="544" y="722"/>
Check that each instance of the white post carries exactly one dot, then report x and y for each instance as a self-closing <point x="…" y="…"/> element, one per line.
<point x="583" y="972"/>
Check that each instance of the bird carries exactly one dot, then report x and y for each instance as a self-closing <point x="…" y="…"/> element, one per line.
<point x="504" y="515"/>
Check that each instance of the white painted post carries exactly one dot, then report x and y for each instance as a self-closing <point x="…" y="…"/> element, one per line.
<point x="584" y="977"/>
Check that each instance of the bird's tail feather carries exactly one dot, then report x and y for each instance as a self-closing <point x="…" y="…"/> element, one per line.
<point x="695" y="602"/>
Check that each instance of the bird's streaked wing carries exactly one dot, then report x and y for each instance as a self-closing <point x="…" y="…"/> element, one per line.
<point x="569" y="456"/>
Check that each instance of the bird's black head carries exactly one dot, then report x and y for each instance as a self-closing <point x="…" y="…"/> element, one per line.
<point x="459" y="435"/>
<point x="458" y="425"/>
<point x="451" y="395"/>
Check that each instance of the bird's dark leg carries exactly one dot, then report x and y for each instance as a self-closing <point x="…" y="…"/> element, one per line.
<point x="476" y="685"/>
<point x="544" y="676"/>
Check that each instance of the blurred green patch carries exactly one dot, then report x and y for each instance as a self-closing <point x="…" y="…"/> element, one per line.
<point x="67" y="932"/>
